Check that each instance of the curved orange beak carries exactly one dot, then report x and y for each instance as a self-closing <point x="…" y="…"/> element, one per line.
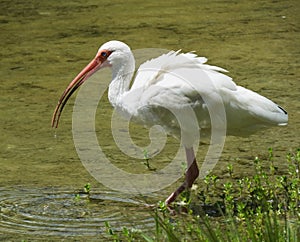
<point x="97" y="63"/>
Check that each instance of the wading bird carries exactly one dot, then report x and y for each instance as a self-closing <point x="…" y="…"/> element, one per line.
<point x="165" y="83"/>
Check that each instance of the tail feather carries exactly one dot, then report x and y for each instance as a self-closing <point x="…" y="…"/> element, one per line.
<point x="262" y="108"/>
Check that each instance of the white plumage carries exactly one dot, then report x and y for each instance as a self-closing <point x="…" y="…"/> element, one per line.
<point x="172" y="85"/>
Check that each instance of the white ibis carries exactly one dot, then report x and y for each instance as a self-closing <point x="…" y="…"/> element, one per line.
<point x="161" y="87"/>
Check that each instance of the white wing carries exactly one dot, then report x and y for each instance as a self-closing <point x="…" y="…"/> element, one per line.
<point x="169" y="81"/>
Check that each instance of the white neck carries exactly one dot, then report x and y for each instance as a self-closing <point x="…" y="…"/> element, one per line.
<point x="122" y="74"/>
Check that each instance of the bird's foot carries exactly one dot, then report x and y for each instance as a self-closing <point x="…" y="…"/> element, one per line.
<point x="171" y="210"/>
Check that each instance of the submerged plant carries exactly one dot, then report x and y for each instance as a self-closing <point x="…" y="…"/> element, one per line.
<point x="85" y="190"/>
<point x="146" y="161"/>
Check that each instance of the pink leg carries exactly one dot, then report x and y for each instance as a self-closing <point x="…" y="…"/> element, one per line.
<point x="190" y="176"/>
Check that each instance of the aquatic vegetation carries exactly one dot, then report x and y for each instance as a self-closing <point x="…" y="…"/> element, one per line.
<point x="85" y="191"/>
<point x="87" y="188"/>
<point x="146" y="161"/>
<point x="261" y="207"/>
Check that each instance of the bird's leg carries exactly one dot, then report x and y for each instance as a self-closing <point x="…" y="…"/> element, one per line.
<point x="190" y="176"/>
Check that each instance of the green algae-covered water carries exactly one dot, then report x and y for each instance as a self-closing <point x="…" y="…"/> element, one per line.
<point x="44" y="44"/>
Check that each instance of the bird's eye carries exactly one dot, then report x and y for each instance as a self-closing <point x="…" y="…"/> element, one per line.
<point x="104" y="54"/>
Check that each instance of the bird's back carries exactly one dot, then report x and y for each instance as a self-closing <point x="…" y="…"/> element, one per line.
<point x="178" y="81"/>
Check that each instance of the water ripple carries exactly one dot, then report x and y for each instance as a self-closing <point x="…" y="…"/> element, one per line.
<point x="58" y="212"/>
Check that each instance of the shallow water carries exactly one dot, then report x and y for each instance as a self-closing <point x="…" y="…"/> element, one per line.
<point x="56" y="213"/>
<point x="44" y="44"/>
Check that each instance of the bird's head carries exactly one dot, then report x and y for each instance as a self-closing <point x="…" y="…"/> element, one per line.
<point x="113" y="54"/>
